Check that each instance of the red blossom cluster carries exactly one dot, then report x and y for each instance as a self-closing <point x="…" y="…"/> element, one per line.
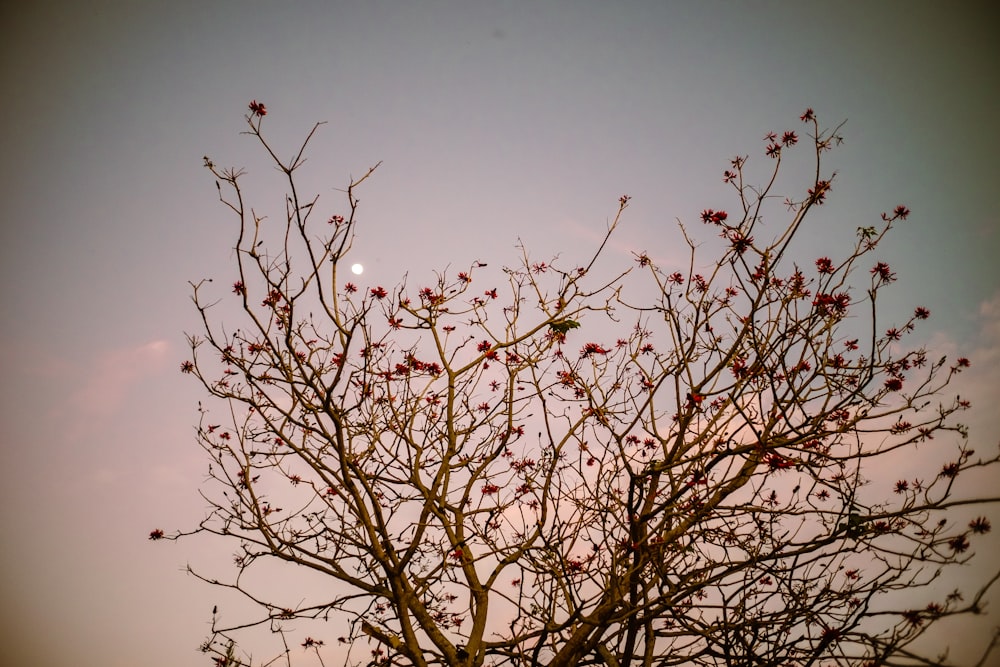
<point x="708" y="216"/>
<point x="817" y="194"/>
<point x="894" y="383"/>
<point x="775" y="144"/>
<point x="778" y="462"/>
<point x="980" y="525"/>
<point x="832" y="305"/>
<point x="739" y="241"/>
<point x="898" y="213"/>
<point x="590" y="349"/>
<point x="825" y="265"/>
<point x="882" y="273"/>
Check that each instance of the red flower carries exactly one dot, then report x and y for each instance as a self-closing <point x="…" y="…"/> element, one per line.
<point x="832" y="304"/>
<point x="156" y="534"/>
<point x="950" y="470"/>
<point x="902" y="486"/>
<point x="959" y="543"/>
<point x="807" y="116"/>
<point x="901" y="212"/>
<point x="739" y="242"/>
<point x="980" y="525"/>
<point x="239" y="288"/>
<point x="789" y="139"/>
<point x="187" y="367"/>
<point x="489" y="489"/>
<point x="677" y="278"/>
<point x="825" y="265"/>
<point x="350" y="288"/>
<point x="817" y="195"/>
<point x="801" y="367"/>
<point x="592" y="348"/>
<point x="963" y="362"/>
<point x="714" y="217"/>
<point x="885" y="275"/>
<point x="779" y="462"/>
<point x="894" y="384"/>
<point x="379" y="292"/>
<point x="921" y="313"/>
<point x="272" y="299"/>
<point x="830" y="634"/>
<point x="258" y="108"/>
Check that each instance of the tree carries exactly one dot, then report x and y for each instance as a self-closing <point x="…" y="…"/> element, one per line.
<point x="558" y="465"/>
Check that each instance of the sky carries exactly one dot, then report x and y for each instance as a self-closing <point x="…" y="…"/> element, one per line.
<point x="494" y="122"/>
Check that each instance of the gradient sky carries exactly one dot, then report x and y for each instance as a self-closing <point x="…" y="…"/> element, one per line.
<point x="494" y="121"/>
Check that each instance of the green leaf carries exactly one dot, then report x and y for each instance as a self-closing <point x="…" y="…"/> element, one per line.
<point x="562" y="326"/>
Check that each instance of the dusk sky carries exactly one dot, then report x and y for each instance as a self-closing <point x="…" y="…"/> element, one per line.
<point x="494" y="121"/>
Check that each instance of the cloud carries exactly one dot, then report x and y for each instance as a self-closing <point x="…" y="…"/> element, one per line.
<point x="107" y="382"/>
<point x="979" y="383"/>
<point x="989" y="329"/>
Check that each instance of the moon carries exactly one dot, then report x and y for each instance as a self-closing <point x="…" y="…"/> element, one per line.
<point x="357" y="269"/>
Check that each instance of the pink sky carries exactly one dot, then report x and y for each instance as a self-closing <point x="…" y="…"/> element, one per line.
<point x="494" y="122"/>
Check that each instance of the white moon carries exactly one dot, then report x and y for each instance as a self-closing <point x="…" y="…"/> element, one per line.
<point x="357" y="269"/>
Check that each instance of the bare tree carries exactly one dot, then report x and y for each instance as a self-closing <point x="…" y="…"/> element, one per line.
<point x="559" y="465"/>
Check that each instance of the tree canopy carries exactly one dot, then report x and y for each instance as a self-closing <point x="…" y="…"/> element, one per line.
<point x="558" y="464"/>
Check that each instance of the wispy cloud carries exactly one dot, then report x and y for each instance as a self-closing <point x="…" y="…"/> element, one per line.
<point x="979" y="383"/>
<point x="106" y="382"/>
